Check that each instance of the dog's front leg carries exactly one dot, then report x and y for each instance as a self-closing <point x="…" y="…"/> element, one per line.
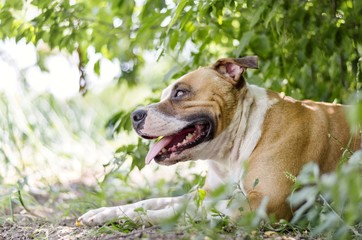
<point x="150" y="211"/>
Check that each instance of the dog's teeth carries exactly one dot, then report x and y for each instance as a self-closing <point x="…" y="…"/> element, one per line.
<point x="189" y="136"/>
<point x="164" y="150"/>
<point x="173" y="148"/>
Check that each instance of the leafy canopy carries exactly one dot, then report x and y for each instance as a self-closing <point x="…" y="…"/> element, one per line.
<point x="308" y="49"/>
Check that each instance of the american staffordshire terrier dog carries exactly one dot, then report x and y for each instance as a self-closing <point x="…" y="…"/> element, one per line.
<point x="251" y="137"/>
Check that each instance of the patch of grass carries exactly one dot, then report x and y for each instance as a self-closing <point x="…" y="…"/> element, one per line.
<point x="331" y="203"/>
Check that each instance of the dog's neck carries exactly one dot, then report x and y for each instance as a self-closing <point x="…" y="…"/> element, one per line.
<point x="239" y="139"/>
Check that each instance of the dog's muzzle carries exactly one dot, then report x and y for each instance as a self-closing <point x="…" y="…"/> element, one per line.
<point x="175" y="136"/>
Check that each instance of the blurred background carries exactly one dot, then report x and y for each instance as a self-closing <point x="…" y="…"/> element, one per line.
<point x="72" y="71"/>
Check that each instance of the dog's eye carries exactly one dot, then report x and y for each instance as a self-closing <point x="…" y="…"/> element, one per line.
<point x="179" y="93"/>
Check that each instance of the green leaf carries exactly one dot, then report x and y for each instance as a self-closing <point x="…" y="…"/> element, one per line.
<point x="244" y="41"/>
<point x="15" y="4"/>
<point x="256" y="16"/>
<point x="174" y="38"/>
<point x="180" y="7"/>
<point x="96" y="67"/>
<point x="200" y="197"/>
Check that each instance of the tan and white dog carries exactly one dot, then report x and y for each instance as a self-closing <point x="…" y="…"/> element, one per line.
<point x="212" y="113"/>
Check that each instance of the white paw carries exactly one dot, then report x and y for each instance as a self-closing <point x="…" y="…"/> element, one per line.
<point x="100" y="216"/>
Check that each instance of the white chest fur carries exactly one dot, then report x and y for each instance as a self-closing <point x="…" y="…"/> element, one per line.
<point x="234" y="146"/>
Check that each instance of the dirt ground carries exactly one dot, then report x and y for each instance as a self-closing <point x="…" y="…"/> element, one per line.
<point x="28" y="227"/>
<point x="66" y="229"/>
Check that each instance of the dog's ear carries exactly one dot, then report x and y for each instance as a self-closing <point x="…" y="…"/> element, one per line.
<point x="233" y="68"/>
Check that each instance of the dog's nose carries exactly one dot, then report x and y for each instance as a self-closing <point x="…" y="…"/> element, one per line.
<point x="138" y="117"/>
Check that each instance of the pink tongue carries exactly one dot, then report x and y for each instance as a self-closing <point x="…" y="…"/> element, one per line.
<point x="157" y="147"/>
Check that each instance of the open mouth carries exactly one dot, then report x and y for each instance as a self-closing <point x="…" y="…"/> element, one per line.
<point x="171" y="146"/>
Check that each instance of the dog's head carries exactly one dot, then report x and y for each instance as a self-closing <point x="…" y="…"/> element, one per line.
<point x="193" y="110"/>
